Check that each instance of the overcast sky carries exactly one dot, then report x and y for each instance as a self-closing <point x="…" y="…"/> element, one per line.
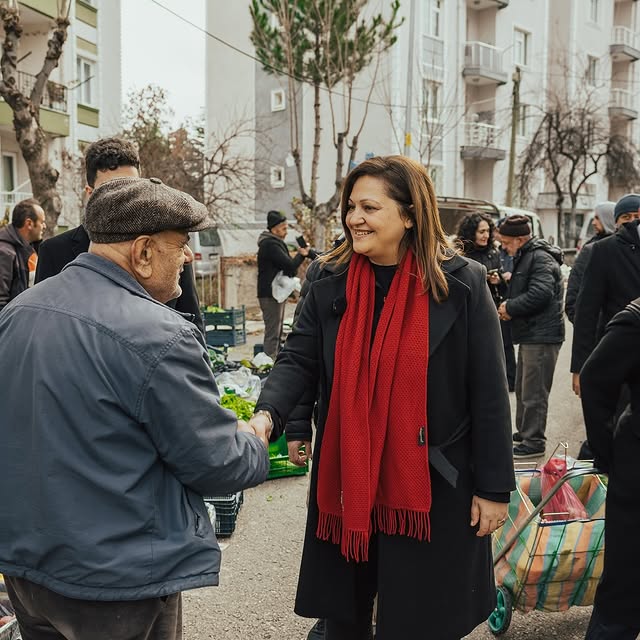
<point x="159" y="48"/>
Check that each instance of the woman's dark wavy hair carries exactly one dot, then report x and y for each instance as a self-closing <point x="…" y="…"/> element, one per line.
<point x="408" y="183"/>
<point x="468" y="227"/>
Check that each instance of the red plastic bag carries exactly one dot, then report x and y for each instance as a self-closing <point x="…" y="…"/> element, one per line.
<point x="565" y="504"/>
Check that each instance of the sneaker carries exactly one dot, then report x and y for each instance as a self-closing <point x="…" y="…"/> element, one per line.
<point x="517" y="437"/>
<point x="525" y="451"/>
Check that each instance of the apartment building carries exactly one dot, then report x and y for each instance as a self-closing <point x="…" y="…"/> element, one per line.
<point x="443" y="94"/>
<point x="82" y="100"/>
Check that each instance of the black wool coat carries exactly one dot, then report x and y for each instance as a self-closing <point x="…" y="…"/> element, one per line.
<point x="449" y="584"/>
<point x="616" y="362"/>
<point x="611" y="281"/>
<point x="57" y="252"/>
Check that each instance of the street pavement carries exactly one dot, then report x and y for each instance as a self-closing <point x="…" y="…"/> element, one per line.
<point x="260" y="561"/>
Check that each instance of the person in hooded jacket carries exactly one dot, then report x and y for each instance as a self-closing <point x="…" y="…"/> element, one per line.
<point x="534" y="306"/>
<point x="604" y="225"/>
<point x="273" y="257"/>
<point x="611" y="281"/>
<point x="16" y="250"/>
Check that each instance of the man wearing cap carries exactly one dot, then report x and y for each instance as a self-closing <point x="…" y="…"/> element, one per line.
<point x="611" y="281"/>
<point x="112" y="430"/>
<point x="273" y="257"/>
<point x="534" y="306"/>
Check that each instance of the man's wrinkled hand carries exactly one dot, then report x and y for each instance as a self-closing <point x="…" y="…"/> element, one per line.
<point x="297" y="455"/>
<point x="261" y="426"/>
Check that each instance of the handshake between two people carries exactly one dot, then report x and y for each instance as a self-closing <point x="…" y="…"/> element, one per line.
<point x="260" y="425"/>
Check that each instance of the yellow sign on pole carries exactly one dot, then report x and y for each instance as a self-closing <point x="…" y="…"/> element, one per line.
<point x="407" y="139"/>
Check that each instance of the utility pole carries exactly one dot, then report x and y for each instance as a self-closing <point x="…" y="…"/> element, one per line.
<point x="515" y="116"/>
<point x="411" y="47"/>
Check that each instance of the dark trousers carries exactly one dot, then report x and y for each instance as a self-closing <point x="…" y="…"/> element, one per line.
<point x="273" y="316"/>
<point x="601" y="629"/>
<point x="534" y="376"/>
<point x="45" y="615"/>
<point x="509" y="353"/>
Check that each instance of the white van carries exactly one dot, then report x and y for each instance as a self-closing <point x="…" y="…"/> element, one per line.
<point x="206" y="249"/>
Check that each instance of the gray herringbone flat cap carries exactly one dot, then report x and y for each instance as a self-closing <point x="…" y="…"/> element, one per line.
<point x="124" y="208"/>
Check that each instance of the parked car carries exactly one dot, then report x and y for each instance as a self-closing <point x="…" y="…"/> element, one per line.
<point x="453" y="210"/>
<point x="206" y="249"/>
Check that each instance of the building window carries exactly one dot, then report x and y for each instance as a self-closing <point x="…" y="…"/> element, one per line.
<point x="592" y="70"/>
<point x="278" y="102"/>
<point x="521" y="47"/>
<point x="86" y="79"/>
<point x="594" y="6"/>
<point x="522" y="126"/>
<point x="431" y="100"/>
<point x="277" y="177"/>
<point x="434" y="25"/>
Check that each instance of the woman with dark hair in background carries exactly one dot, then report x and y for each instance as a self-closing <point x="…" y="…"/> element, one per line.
<point x="404" y="492"/>
<point x="476" y="235"/>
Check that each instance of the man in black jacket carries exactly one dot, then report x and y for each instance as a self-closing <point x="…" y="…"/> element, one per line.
<point x="27" y="226"/>
<point x="273" y="256"/>
<point x="611" y="281"/>
<point x="106" y="159"/>
<point x="534" y="306"/>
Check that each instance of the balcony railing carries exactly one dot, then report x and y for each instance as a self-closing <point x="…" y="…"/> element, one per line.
<point x="479" y="54"/>
<point x="480" y="134"/>
<point x="54" y="95"/>
<point x="622" y="99"/>
<point x="625" y="37"/>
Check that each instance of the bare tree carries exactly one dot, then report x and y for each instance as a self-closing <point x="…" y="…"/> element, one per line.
<point x="32" y="140"/>
<point x="214" y="173"/>
<point x="325" y="44"/>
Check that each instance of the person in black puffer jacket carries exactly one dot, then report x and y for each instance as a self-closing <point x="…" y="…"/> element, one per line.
<point x="534" y="306"/>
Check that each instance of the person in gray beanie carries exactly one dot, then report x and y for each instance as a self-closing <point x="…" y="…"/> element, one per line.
<point x="113" y="431"/>
<point x="604" y="225"/>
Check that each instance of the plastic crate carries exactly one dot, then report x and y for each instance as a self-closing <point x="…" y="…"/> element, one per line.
<point x="279" y="465"/>
<point x="225" y="327"/>
<point x="226" y="508"/>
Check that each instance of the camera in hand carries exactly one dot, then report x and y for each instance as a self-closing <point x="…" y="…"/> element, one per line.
<point x="301" y="241"/>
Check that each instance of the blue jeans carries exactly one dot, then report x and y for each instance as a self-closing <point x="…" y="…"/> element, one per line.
<point x="534" y="375"/>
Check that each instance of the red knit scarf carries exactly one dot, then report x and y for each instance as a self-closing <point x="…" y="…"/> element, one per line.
<point x="374" y="468"/>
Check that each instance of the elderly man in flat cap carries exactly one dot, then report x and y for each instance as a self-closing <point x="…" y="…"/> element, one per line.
<point x="112" y="431"/>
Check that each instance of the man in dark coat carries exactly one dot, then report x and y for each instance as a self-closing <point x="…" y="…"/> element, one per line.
<point x="604" y="225"/>
<point x="106" y="159"/>
<point x="534" y="306"/>
<point x="614" y="363"/>
<point x="27" y="226"/>
<point x="273" y="257"/>
<point x="611" y="281"/>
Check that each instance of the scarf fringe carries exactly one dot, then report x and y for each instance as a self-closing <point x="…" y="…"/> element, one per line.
<point x="354" y="545"/>
<point x="404" y="522"/>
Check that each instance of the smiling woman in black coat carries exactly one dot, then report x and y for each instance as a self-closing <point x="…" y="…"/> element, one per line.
<point x="412" y="466"/>
<point x="615" y="362"/>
